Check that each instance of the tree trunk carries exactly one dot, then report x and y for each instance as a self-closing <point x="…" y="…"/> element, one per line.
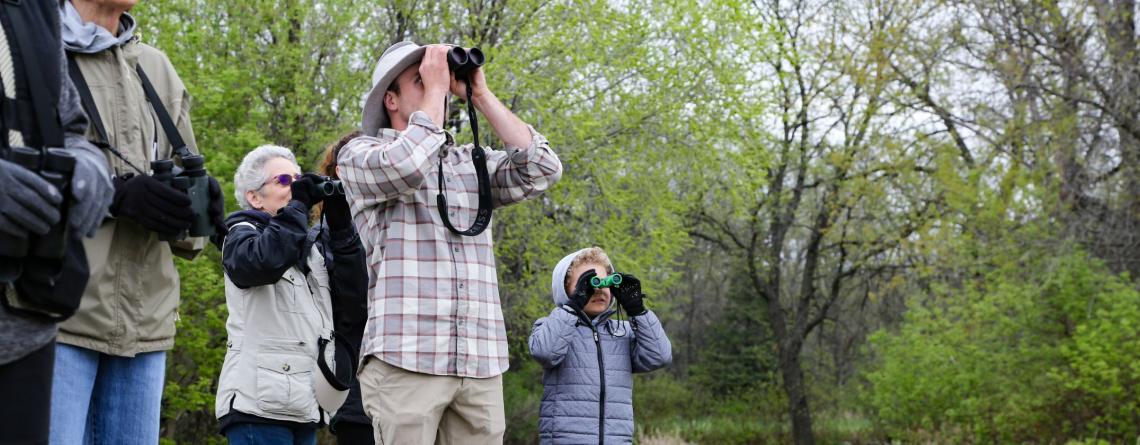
<point x="793" y="374"/>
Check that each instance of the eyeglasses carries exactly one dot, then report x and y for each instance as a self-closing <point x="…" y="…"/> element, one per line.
<point x="283" y="179"/>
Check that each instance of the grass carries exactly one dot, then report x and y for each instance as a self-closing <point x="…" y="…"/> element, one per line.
<point x="846" y="429"/>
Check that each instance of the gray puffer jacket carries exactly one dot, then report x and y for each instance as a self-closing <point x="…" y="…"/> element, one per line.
<point x="577" y="377"/>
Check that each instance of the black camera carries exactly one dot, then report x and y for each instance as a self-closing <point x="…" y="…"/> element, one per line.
<point x="464" y="61"/>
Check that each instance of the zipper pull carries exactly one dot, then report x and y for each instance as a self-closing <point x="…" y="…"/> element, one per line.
<point x="596" y="336"/>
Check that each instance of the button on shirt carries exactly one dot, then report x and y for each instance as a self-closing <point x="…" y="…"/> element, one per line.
<point x="433" y="303"/>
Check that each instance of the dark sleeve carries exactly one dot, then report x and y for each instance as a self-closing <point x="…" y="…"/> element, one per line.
<point x="254" y="257"/>
<point x="348" y="282"/>
<point x="71" y="115"/>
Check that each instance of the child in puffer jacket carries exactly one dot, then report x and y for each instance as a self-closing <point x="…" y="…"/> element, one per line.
<point x="588" y="358"/>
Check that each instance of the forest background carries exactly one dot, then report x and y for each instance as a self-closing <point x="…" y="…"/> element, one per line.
<point x="862" y="221"/>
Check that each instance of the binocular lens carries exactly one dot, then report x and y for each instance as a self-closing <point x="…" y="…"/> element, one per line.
<point x="610" y="281"/>
<point x="457" y="57"/>
<point x="475" y="56"/>
<point x="463" y="61"/>
<point x="330" y="187"/>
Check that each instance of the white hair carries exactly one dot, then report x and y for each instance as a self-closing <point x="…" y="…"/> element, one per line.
<point x="251" y="173"/>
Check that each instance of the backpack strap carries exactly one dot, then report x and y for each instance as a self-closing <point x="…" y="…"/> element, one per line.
<point x="21" y="19"/>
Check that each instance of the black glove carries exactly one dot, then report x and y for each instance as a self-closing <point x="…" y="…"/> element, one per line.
<point x="28" y="203"/>
<point x="582" y="290"/>
<point x="307" y="189"/>
<point x="337" y="213"/>
<point x="156" y="206"/>
<point x="629" y="295"/>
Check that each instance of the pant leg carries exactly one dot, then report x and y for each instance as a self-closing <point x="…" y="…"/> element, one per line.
<point x="405" y="407"/>
<point x="304" y="436"/>
<point x="73" y="381"/>
<point x="259" y="434"/>
<point x="25" y="409"/>
<point x="127" y="399"/>
<point x="348" y="433"/>
<point x="476" y="415"/>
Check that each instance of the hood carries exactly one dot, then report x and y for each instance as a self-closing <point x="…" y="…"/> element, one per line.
<point x="87" y="37"/>
<point x="558" y="287"/>
<point x="558" y="279"/>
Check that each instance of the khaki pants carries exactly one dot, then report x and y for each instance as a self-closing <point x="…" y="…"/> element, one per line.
<point x="419" y="409"/>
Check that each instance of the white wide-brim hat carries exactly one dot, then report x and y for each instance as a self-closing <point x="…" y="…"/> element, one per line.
<point x="394" y="61"/>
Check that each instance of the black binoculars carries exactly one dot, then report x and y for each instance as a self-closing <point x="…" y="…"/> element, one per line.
<point x="329" y="187"/>
<point x="56" y="166"/>
<point x="464" y="61"/>
<point x="193" y="180"/>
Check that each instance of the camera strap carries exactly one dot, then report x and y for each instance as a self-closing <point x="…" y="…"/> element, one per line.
<point x="168" y="126"/>
<point x="88" y="102"/>
<point x="479" y="157"/>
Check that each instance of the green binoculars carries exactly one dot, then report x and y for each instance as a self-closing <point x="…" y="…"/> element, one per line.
<point x="609" y="281"/>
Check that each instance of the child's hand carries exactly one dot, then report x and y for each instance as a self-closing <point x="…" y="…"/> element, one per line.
<point x="582" y="290"/>
<point x="629" y="295"/>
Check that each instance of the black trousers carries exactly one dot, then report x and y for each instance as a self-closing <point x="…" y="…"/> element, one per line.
<point x="354" y="434"/>
<point x="25" y="397"/>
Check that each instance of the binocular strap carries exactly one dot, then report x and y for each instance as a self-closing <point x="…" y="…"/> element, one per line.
<point x="479" y="157"/>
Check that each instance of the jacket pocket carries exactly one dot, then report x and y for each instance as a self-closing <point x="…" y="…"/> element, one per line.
<point x="284" y="379"/>
<point x="290" y="290"/>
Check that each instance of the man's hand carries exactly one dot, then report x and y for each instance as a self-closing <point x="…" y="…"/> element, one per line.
<point x="436" y="79"/>
<point x="28" y="204"/>
<point x="433" y="68"/>
<point x="156" y="206"/>
<point x="478" y="86"/>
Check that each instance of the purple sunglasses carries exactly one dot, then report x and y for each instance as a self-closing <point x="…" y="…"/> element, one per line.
<point x="284" y="179"/>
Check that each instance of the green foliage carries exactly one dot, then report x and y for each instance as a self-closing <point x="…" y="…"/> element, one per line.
<point x="741" y="356"/>
<point x="192" y="368"/>
<point x="522" y="395"/>
<point x="1032" y="351"/>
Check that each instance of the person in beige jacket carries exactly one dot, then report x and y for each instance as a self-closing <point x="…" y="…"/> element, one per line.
<point x="111" y="356"/>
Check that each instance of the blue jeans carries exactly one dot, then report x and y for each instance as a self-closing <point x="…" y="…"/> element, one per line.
<point x="264" y="434"/>
<point x="104" y="399"/>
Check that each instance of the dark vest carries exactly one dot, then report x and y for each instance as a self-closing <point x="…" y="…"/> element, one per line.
<point x="48" y="288"/>
<point x="32" y="28"/>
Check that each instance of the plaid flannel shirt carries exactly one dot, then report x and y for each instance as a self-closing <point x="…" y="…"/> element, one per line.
<point x="433" y="299"/>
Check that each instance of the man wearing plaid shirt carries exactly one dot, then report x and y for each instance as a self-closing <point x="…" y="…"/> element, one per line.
<point x="435" y="345"/>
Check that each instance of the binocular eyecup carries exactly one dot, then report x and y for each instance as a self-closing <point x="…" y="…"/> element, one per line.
<point x="609" y="281"/>
<point x="329" y="187"/>
<point x="464" y="61"/>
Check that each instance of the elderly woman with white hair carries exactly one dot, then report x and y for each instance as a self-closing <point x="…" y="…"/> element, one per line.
<point x="282" y="283"/>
